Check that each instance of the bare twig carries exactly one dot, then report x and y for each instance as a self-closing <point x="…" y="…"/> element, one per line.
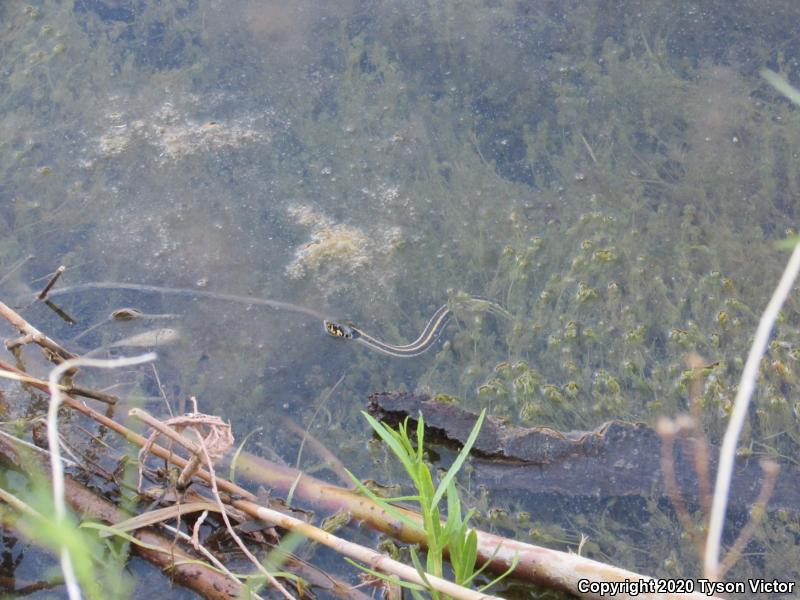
<point x="30" y="334"/>
<point x="161" y="390"/>
<point x="317" y="446"/>
<point x="375" y="560"/>
<point x="719" y="503"/>
<point x="188" y="472"/>
<point x="560" y="570"/>
<point x="70" y="389"/>
<point x="199" y="451"/>
<point x="195" y="542"/>
<point x="19" y="505"/>
<point x="62" y="314"/>
<point x="56" y="468"/>
<point x="667" y="430"/>
<point x="155" y="548"/>
<point x="588" y="147"/>
<point x="771" y="470"/>
<point x="218" y="439"/>
<point x="269" y="576"/>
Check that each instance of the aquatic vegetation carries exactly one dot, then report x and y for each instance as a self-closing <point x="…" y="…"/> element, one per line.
<point x="174" y="137"/>
<point x="453" y="538"/>
<point x="336" y="252"/>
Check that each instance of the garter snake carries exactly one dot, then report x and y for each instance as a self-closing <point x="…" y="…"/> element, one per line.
<point x="430" y="334"/>
<point x="426" y="339"/>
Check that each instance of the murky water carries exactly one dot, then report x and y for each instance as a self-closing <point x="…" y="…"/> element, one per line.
<point x="614" y="175"/>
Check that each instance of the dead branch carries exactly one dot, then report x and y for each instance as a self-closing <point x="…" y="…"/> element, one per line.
<point x="542" y="566"/>
<point x="374" y="560"/>
<point x="667" y="429"/>
<point x="771" y="470"/>
<point x="201" y="579"/>
<point x="70" y="389"/>
<point x="43" y="294"/>
<point x="54" y="351"/>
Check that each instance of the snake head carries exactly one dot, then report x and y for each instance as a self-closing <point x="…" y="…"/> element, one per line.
<point x="337" y="330"/>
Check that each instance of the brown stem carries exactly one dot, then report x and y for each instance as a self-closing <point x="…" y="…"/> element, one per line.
<point x="30" y="334"/>
<point x="667" y="430"/>
<point x="59" y="271"/>
<point x="206" y="582"/>
<point x="771" y="469"/>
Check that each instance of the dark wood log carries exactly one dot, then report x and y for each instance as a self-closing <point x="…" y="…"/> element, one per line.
<point x="614" y="460"/>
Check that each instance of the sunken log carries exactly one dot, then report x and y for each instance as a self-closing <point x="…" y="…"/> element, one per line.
<point x="617" y="459"/>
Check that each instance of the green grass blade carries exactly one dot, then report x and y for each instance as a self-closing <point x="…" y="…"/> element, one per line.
<point x="422" y="573"/>
<point x="500" y="577"/>
<point x="470" y="553"/>
<point x="462" y="456"/>
<point x="384" y="504"/>
<point x="388" y="578"/>
<point x="397" y="448"/>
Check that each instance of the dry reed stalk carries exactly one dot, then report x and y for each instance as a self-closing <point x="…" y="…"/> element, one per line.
<point x="54" y="351"/>
<point x="204" y="581"/>
<point x="727" y="454"/>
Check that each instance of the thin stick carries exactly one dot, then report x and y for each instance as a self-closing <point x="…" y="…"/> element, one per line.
<point x="19" y="505"/>
<point x="165" y="430"/>
<point x="56" y="468"/>
<point x="667" y="430"/>
<point x="727" y="453"/>
<point x="199" y="451"/>
<point x="322" y="451"/>
<point x="306" y="438"/>
<point x="70" y="389"/>
<point x="771" y="470"/>
<point x="132" y="436"/>
<point x="375" y="560"/>
<point x="204" y="551"/>
<point x="62" y="314"/>
<point x="33" y="448"/>
<point x="188" y="472"/>
<point x="59" y="271"/>
<point x="269" y="576"/>
<point x="31" y="334"/>
<point x="89" y="504"/>
<point x="93" y="394"/>
<point x="161" y="390"/>
<point x="588" y="148"/>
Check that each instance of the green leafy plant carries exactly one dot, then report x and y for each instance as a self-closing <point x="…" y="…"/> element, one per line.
<point x="454" y="537"/>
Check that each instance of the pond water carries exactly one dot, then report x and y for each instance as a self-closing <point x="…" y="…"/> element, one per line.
<point x="614" y="175"/>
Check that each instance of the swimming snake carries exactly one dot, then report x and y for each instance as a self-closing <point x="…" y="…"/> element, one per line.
<point x="430" y="334"/>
